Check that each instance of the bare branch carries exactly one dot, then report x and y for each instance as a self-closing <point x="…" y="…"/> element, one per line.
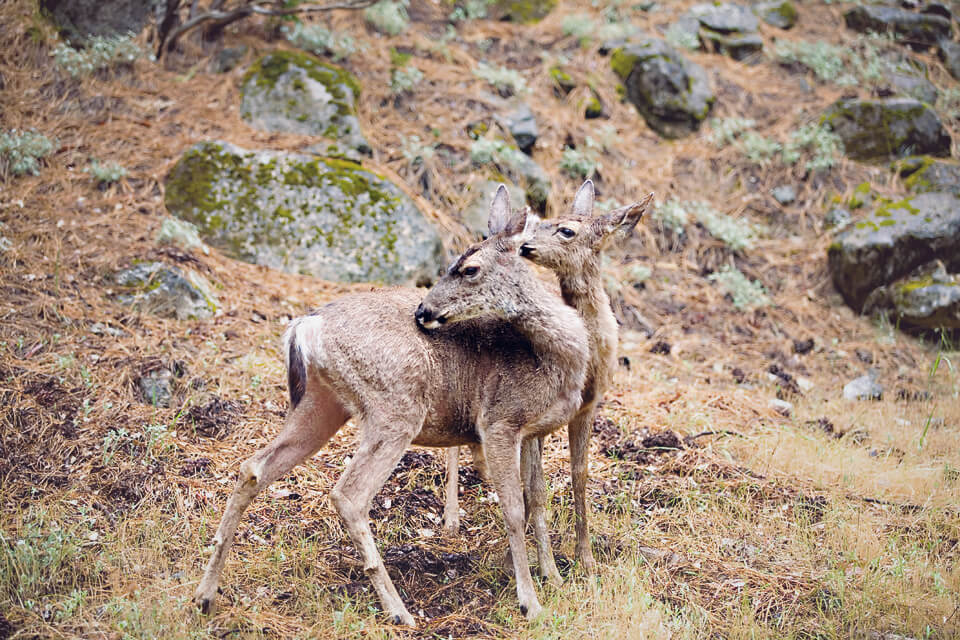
<point x="223" y="18"/>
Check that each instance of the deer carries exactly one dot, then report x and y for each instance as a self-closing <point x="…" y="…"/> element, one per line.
<point x="571" y="246"/>
<point x="488" y="356"/>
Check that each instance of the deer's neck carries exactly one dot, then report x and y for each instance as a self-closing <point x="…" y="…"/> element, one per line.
<point x="556" y="332"/>
<point x="584" y="291"/>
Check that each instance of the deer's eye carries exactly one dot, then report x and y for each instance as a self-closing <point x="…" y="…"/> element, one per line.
<point x="566" y="232"/>
<point x="470" y="271"/>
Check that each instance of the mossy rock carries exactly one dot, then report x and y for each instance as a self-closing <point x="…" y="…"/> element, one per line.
<point x="523" y="11"/>
<point x="155" y="288"/>
<point x="293" y="92"/>
<point x="738" y="46"/>
<point x="928" y="301"/>
<point x="324" y="217"/>
<point x="893" y="241"/>
<point x="779" y="13"/>
<point x="920" y="30"/>
<point x="877" y="130"/>
<point x="923" y="174"/>
<point x="725" y="17"/>
<point x="671" y="93"/>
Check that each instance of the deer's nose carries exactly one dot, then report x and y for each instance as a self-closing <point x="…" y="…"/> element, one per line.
<point x="428" y="318"/>
<point x="526" y="250"/>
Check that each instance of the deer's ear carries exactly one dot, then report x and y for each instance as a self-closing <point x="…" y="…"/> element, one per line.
<point x="620" y="222"/>
<point x="500" y="216"/>
<point x="583" y="201"/>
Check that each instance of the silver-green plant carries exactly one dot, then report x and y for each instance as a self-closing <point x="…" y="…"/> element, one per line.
<point x="758" y="149"/>
<point x="100" y="52"/>
<point x="107" y="173"/>
<point x="485" y="151"/>
<point x="405" y="79"/>
<point x="320" y="40"/>
<point x="746" y="295"/>
<point x="502" y="78"/>
<point x="470" y="10"/>
<point x="416" y="151"/>
<point x="736" y="234"/>
<point x="388" y="16"/>
<point x="579" y="163"/>
<point x="21" y="151"/>
<point x="671" y="215"/>
<point x="824" y="146"/>
<point x="726" y="131"/>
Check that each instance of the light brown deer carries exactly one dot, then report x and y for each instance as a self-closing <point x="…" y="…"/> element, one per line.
<point x="571" y="246"/>
<point x="508" y="365"/>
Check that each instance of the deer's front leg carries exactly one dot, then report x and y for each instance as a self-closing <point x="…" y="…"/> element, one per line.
<point x="579" y="431"/>
<point x="501" y="446"/>
<point x="451" y="503"/>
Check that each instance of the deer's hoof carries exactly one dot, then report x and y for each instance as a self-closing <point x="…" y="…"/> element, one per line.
<point x="205" y="600"/>
<point x="531" y="611"/>
<point x="403" y="619"/>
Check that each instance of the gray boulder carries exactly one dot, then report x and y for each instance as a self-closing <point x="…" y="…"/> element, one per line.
<point x="892" y="242"/>
<point x="293" y="92"/>
<point x="80" y="19"/>
<point x="522" y="125"/>
<point x="914" y="86"/>
<point x="671" y="93"/>
<point x="924" y="174"/>
<point x="778" y="13"/>
<point x="731" y="29"/>
<point x="892" y="127"/>
<point x="325" y="217"/>
<point x="949" y="52"/>
<point x="155" y="288"/>
<point x="916" y="29"/>
<point x="930" y="300"/>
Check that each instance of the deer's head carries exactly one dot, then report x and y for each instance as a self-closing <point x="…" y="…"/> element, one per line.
<point x="489" y="279"/>
<point x="569" y="243"/>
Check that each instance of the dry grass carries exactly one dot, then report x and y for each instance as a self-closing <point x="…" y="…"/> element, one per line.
<point x="770" y="527"/>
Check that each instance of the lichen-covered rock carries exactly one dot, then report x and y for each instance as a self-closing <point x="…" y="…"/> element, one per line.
<point x="155" y="288"/>
<point x="474" y="215"/>
<point x="893" y="241"/>
<point x="931" y="301"/>
<point x="892" y="127"/>
<point x="324" y="217"/>
<point x="725" y="18"/>
<point x="949" y="52"/>
<point x="294" y="92"/>
<point x="731" y="29"/>
<point x="671" y="93"/>
<point x="923" y="174"/>
<point x="916" y="29"/>
<point x="778" y="13"/>
<point x="80" y="19"/>
<point x="524" y="11"/>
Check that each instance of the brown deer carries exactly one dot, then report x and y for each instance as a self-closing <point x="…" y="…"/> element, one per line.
<point x="489" y="356"/>
<point x="571" y="247"/>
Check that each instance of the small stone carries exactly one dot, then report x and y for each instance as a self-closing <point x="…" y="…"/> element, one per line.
<point x="784" y="194"/>
<point x="803" y="346"/>
<point x="155" y="387"/>
<point x="167" y="291"/>
<point x="782" y="407"/>
<point x="865" y="387"/>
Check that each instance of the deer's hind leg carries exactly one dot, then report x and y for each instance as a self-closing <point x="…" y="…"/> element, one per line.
<point x="579" y="429"/>
<point x="308" y="427"/>
<point x="535" y="497"/>
<point x="383" y="440"/>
